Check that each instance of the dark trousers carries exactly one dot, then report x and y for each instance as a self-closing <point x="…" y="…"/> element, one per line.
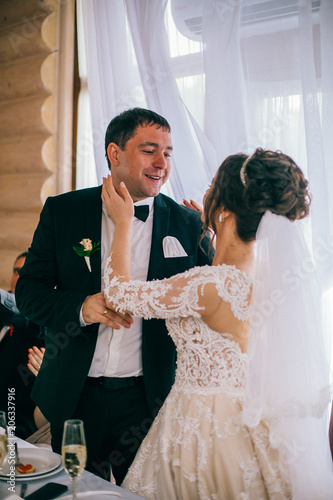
<point x="115" y="422"/>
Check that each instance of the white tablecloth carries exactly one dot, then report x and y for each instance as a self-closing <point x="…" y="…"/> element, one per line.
<point x="86" y="482"/>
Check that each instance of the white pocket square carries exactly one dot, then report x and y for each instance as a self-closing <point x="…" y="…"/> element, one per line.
<point x="173" y="248"/>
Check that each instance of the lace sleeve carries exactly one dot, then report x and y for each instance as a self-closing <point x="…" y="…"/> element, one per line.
<point x="177" y="296"/>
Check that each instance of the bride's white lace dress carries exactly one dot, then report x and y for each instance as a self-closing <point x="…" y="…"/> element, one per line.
<point x="197" y="447"/>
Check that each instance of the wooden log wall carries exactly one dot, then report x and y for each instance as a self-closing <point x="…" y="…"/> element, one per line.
<point x="33" y="34"/>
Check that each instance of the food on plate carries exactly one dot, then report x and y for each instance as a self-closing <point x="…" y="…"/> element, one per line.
<point x="25" y="469"/>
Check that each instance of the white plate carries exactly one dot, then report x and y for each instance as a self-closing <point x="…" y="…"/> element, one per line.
<point x="43" y="460"/>
<point x="94" y="494"/>
<point x="34" y="478"/>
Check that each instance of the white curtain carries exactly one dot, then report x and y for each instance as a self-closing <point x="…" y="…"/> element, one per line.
<point x="266" y="79"/>
<point x="128" y="64"/>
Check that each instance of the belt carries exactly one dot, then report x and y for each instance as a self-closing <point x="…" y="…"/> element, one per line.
<point x="114" y="383"/>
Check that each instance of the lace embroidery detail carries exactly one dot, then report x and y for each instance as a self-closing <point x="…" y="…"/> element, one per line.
<point x="203" y="355"/>
<point x="266" y="463"/>
<point x="179" y="295"/>
<point x="191" y="416"/>
<point x="189" y="437"/>
<point x="198" y="443"/>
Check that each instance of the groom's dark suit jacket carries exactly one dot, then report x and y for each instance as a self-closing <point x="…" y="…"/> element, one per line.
<point x="55" y="281"/>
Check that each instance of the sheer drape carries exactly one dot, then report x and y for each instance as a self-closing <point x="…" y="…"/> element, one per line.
<point x="268" y="83"/>
<point x="146" y="20"/>
<point x="115" y="82"/>
<point x="112" y="76"/>
<point x="225" y="102"/>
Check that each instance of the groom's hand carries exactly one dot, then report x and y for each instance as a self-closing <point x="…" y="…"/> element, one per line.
<point x="95" y="310"/>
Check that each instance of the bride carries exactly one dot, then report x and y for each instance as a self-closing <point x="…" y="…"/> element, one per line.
<point x="247" y="415"/>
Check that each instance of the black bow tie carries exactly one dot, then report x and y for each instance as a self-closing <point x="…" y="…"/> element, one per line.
<point x="141" y="212"/>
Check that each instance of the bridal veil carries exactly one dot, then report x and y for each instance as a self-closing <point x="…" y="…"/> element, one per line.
<point x="288" y="382"/>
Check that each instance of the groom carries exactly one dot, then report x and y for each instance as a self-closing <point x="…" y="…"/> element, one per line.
<point x="111" y="371"/>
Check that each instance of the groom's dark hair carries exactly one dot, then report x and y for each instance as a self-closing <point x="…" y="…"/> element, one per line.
<point x="122" y="127"/>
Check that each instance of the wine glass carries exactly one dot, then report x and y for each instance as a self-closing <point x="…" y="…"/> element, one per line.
<point x="74" y="451"/>
<point x="3" y="438"/>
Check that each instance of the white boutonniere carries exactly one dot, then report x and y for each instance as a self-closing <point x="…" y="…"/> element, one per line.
<point x="86" y="249"/>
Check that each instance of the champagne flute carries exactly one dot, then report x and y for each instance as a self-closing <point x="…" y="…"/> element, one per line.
<point x="3" y="438"/>
<point x="74" y="451"/>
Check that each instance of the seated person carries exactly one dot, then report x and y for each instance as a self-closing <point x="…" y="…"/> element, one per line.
<point x="17" y="334"/>
<point x="43" y="434"/>
<point x="9" y="313"/>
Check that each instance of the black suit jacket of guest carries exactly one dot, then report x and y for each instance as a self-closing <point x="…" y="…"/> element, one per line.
<point x="15" y="375"/>
<point x="55" y="281"/>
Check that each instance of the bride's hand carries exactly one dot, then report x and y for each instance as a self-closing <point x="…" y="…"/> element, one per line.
<point x="193" y="204"/>
<point x="119" y="205"/>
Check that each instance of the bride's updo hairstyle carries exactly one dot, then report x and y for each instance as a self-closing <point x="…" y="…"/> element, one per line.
<point x="249" y="186"/>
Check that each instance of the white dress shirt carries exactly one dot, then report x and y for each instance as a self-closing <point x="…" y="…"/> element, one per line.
<point x="118" y="352"/>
